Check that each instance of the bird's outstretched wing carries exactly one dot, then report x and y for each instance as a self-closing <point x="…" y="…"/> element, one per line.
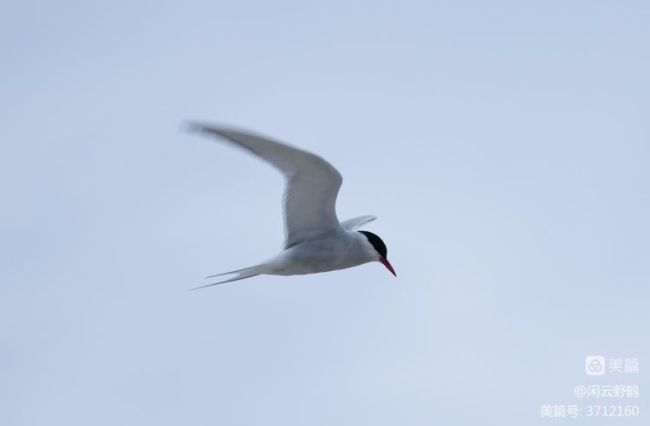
<point x="357" y="222"/>
<point x="311" y="183"/>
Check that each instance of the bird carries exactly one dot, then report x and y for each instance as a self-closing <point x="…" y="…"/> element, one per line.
<point x="315" y="241"/>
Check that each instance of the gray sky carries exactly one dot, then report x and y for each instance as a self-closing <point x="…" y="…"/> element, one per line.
<point x="503" y="145"/>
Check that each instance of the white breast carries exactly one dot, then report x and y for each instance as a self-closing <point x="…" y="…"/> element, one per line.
<point x="340" y="250"/>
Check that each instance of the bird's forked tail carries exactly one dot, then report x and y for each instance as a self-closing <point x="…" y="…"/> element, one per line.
<point x="241" y="274"/>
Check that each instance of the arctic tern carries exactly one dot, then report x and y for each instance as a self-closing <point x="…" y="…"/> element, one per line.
<point x="315" y="240"/>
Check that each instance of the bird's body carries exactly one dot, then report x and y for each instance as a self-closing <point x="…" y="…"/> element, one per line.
<point x="338" y="250"/>
<point x="315" y="240"/>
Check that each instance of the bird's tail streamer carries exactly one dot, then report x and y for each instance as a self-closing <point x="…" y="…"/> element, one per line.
<point x="240" y="275"/>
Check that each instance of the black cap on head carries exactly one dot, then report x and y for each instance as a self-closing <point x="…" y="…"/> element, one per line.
<point x="377" y="243"/>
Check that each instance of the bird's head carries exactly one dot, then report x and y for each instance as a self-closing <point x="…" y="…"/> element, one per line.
<point x="379" y="249"/>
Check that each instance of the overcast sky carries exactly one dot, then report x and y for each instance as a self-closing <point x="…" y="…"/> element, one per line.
<point x="504" y="146"/>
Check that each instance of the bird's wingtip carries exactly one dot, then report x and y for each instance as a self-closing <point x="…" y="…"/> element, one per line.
<point x="192" y="127"/>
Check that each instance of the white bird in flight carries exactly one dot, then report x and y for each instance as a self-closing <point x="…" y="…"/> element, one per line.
<point x="315" y="240"/>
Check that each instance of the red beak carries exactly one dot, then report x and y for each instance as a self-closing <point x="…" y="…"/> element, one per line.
<point x="387" y="264"/>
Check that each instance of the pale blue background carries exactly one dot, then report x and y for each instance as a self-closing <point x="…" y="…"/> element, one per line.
<point x="503" y="145"/>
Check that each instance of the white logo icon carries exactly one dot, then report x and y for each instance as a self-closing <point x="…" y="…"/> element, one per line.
<point x="595" y="365"/>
